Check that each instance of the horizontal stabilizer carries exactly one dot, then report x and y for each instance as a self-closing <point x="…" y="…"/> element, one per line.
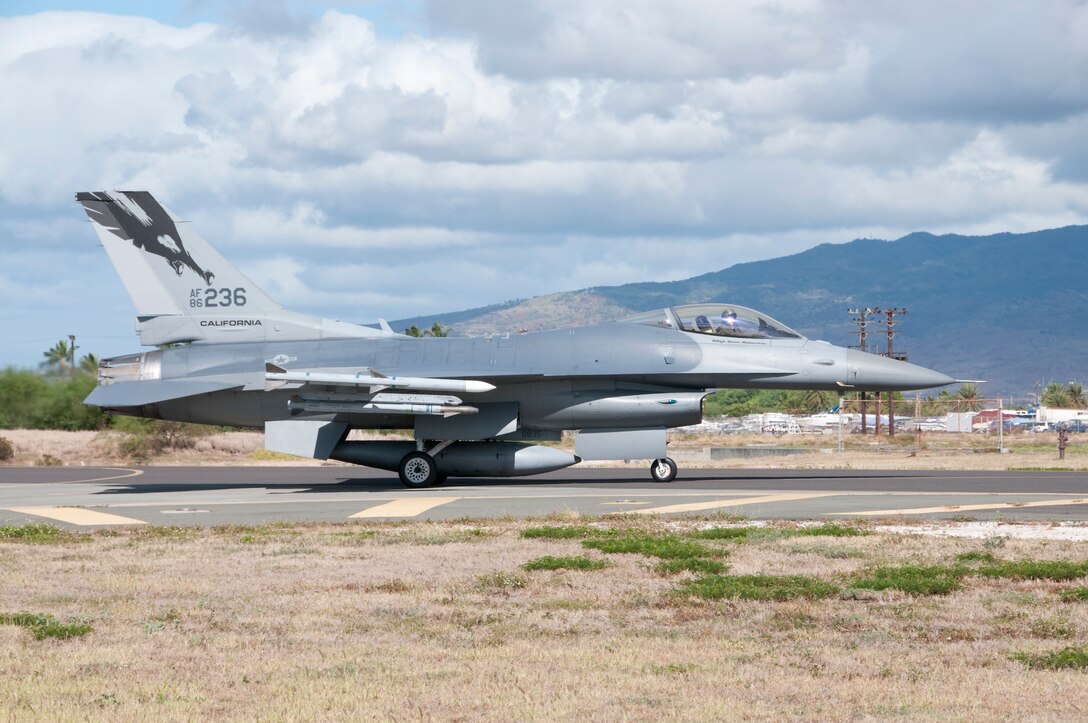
<point x="137" y="394"/>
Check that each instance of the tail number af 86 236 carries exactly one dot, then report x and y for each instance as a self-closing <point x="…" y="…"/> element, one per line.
<point x="215" y="298"/>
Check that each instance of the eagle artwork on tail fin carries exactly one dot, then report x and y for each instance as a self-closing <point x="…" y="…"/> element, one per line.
<point x="150" y="228"/>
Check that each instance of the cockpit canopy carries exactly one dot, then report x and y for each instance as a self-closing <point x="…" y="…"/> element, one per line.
<point x="716" y="319"/>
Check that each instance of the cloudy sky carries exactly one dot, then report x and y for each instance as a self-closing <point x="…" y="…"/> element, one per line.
<point x="390" y="159"/>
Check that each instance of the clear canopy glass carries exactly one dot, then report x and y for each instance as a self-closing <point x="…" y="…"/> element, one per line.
<point x="717" y="319"/>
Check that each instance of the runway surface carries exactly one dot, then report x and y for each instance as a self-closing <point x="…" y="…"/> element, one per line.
<point x="90" y="497"/>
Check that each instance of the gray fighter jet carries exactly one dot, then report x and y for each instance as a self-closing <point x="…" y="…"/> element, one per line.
<point x="477" y="406"/>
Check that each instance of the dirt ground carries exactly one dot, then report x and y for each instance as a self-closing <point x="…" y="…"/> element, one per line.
<point x="937" y="451"/>
<point x="439" y="621"/>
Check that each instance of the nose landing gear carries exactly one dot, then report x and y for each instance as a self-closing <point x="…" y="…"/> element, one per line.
<point x="663" y="470"/>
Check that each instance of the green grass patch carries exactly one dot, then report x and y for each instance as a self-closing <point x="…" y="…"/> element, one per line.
<point x="1035" y="570"/>
<point x="674" y="669"/>
<point x="176" y="533"/>
<point x="829" y="529"/>
<point x="697" y="565"/>
<point x="501" y="582"/>
<point x="758" y="587"/>
<point x="667" y="547"/>
<point x="831" y="552"/>
<point x="913" y="579"/>
<point x="355" y="537"/>
<point x="1074" y="658"/>
<point x="565" y="532"/>
<point x="441" y="537"/>
<point x="45" y="626"/>
<point x="579" y="562"/>
<point x="1077" y="594"/>
<point x="739" y="534"/>
<point x="40" y="534"/>
<point x="1053" y="628"/>
<point x="976" y="556"/>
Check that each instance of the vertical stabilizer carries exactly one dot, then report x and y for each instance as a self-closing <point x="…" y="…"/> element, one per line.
<point x="183" y="290"/>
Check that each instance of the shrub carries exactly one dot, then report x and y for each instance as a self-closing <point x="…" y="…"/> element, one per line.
<point x="145" y="438"/>
<point x="7" y="450"/>
<point x="31" y="401"/>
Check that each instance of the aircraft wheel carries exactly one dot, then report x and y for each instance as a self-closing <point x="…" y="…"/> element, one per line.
<point x="440" y="479"/>
<point x="663" y="470"/>
<point x="418" y="470"/>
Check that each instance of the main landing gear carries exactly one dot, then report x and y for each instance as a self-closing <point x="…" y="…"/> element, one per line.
<point x="418" y="470"/>
<point x="663" y="470"/>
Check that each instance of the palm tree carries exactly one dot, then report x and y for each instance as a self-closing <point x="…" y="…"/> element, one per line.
<point x="439" y="330"/>
<point x="413" y="330"/>
<point x="808" y="401"/>
<point x="58" y="356"/>
<point x="967" y="398"/>
<point x="1056" y="395"/>
<point x="89" y="364"/>
<point x="1076" y="395"/>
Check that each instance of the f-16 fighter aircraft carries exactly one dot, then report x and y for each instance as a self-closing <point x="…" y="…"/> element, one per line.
<point x="477" y="406"/>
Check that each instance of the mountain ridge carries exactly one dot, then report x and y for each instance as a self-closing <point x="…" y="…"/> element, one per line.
<point x="1011" y="308"/>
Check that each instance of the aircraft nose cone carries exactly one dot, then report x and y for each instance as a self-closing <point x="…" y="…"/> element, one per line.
<point x="870" y="372"/>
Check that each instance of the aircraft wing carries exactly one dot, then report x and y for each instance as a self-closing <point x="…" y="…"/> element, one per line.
<point x="137" y="394"/>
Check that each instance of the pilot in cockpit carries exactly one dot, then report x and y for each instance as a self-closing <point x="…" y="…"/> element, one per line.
<point x="727" y="322"/>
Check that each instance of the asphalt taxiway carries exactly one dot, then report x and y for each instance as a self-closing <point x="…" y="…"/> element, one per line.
<point x="89" y="497"/>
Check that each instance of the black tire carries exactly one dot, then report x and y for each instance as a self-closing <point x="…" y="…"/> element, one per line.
<point x="417" y="470"/>
<point x="440" y="479"/>
<point x="663" y="470"/>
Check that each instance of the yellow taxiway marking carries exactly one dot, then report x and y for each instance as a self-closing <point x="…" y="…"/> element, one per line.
<point x="77" y="515"/>
<point x="717" y="504"/>
<point x="969" y="508"/>
<point x="405" y="507"/>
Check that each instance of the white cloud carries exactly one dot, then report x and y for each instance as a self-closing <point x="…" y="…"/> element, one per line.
<point x="530" y="147"/>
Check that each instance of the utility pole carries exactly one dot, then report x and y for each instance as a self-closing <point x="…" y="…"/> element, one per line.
<point x="890" y="322"/>
<point x="861" y="318"/>
<point x="72" y="352"/>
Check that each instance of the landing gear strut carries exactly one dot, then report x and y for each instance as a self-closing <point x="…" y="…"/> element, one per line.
<point x="417" y="470"/>
<point x="663" y="470"/>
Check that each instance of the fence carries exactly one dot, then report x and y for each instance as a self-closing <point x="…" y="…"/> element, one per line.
<point x="970" y="423"/>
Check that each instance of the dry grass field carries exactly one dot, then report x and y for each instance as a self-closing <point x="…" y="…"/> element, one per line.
<point x="441" y="621"/>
